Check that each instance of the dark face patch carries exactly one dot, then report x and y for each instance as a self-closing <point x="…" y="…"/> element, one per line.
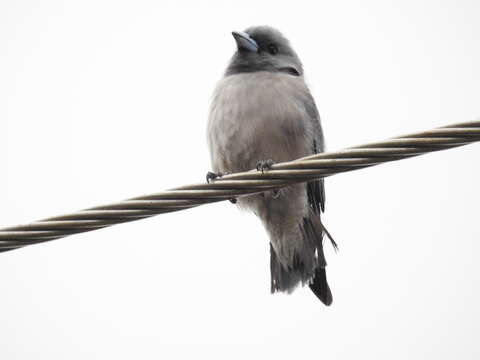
<point x="274" y="54"/>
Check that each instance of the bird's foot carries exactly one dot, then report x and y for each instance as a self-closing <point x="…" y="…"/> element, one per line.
<point x="212" y="176"/>
<point x="263" y="165"/>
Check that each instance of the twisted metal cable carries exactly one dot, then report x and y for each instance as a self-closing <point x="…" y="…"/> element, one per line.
<point x="240" y="184"/>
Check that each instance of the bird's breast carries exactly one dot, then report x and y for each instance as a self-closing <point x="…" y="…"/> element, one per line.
<point x="257" y="116"/>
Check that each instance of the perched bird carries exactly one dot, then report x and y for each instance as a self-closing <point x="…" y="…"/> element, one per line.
<point x="262" y="112"/>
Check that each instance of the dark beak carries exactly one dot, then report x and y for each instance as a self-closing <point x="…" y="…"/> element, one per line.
<point x="244" y="41"/>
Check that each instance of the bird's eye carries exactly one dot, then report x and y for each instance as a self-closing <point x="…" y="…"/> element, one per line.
<point x="272" y="49"/>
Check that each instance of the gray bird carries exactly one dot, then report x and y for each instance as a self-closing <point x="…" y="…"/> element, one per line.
<point x="262" y="112"/>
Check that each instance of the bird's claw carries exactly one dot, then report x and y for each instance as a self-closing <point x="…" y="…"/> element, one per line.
<point x="263" y="165"/>
<point x="212" y="176"/>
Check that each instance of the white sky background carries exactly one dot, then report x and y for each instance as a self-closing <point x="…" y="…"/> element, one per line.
<point x="105" y="100"/>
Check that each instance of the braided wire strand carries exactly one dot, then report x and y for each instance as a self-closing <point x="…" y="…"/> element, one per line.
<point x="241" y="184"/>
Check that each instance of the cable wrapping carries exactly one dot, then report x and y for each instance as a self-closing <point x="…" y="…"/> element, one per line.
<point x="241" y="184"/>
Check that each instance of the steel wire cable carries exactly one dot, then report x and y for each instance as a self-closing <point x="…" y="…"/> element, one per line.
<point x="241" y="184"/>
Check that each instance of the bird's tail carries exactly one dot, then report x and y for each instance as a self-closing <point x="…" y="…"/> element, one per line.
<point x="320" y="287"/>
<point x="308" y="263"/>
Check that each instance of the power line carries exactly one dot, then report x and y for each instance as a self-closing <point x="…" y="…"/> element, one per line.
<point x="240" y="184"/>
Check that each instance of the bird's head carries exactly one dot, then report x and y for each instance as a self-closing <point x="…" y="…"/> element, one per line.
<point x="263" y="48"/>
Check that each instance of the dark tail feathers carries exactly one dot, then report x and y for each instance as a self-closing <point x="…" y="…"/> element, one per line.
<point x="283" y="280"/>
<point x="308" y="265"/>
<point x="320" y="287"/>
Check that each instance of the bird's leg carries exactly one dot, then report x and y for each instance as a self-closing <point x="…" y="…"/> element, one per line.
<point x="212" y="176"/>
<point x="263" y="165"/>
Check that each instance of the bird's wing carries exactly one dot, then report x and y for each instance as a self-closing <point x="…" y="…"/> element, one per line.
<point x="315" y="189"/>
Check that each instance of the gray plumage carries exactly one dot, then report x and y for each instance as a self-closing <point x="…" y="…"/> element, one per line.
<point x="262" y="109"/>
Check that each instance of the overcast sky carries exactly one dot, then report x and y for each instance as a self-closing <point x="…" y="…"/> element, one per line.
<point x="106" y="100"/>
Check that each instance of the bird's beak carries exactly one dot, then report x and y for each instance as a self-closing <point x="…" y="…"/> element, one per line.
<point x="244" y="41"/>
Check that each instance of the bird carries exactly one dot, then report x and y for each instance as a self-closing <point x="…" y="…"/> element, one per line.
<point x="261" y="113"/>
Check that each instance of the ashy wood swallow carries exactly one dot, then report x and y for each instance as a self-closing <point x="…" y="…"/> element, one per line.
<point x="262" y="112"/>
